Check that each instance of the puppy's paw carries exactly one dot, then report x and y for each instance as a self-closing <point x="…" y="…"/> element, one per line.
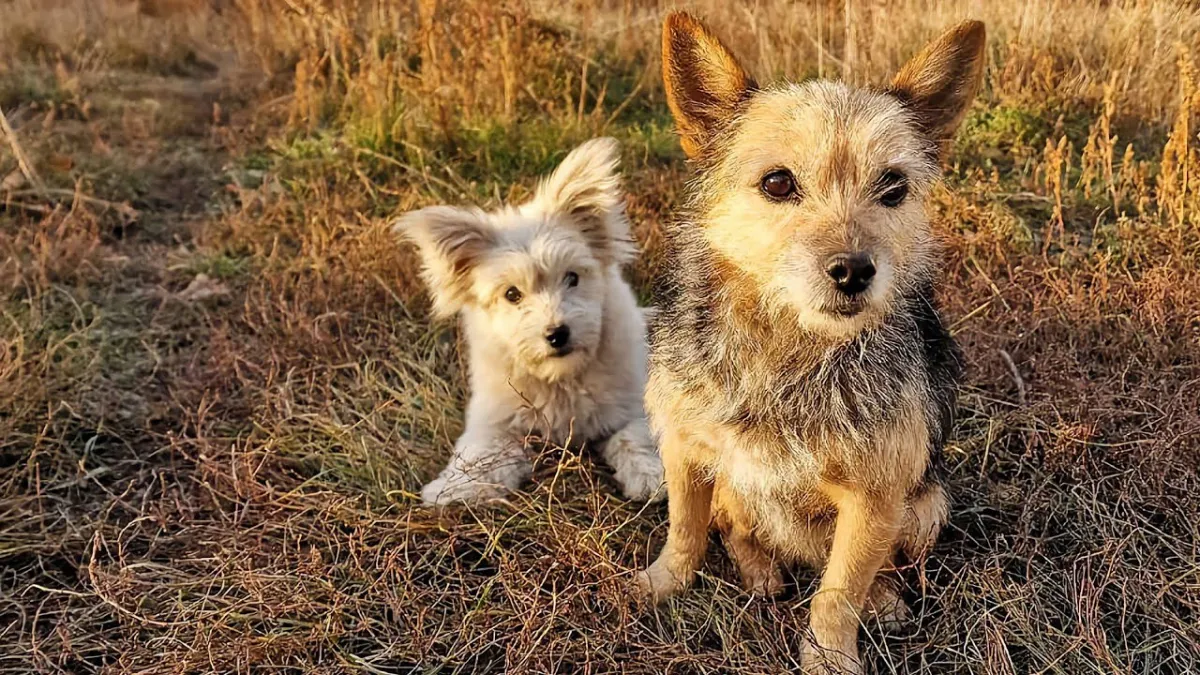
<point x="641" y="477"/>
<point x="657" y="582"/>
<point x="456" y="488"/>
<point x="636" y="464"/>
<point x="886" y="607"/>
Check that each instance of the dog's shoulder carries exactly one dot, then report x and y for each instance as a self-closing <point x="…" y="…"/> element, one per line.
<point x="943" y="363"/>
<point x="683" y="327"/>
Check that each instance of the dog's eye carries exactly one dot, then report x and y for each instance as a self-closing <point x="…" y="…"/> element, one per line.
<point x="894" y="189"/>
<point x="779" y="185"/>
<point x="572" y="279"/>
<point x="513" y="295"/>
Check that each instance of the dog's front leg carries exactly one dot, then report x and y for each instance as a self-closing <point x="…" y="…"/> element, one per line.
<point x="485" y="465"/>
<point x="863" y="538"/>
<point x="635" y="461"/>
<point x="689" y="507"/>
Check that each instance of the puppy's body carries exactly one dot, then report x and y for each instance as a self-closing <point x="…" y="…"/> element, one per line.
<point x="556" y="341"/>
<point x="801" y="381"/>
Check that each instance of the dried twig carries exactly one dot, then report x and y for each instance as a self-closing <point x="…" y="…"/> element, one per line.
<point x="23" y="162"/>
<point x="26" y="206"/>
<point x="1016" y="375"/>
<point x="49" y="194"/>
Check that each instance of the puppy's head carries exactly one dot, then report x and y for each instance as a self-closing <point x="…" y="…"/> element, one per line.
<point x="814" y="192"/>
<point x="532" y="279"/>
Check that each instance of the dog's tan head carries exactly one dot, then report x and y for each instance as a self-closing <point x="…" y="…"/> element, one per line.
<point x="532" y="279"/>
<point x="814" y="192"/>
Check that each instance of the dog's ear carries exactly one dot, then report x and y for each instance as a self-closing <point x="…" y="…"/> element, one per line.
<point x="940" y="82"/>
<point x="704" y="82"/>
<point x="450" y="242"/>
<point x="586" y="189"/>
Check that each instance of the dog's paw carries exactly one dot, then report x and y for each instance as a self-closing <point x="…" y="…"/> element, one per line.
<point x="641" y="477"/>
<point x="821" y="660"/>
<point x="764" y="581"/>
<point x="635" y="462"/>
<point x="459" y="488"/>
<point x="886" y="607"/>
<point x="656" y="583"/>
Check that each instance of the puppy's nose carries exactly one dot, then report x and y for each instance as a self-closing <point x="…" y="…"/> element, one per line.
<point x="558" y="337"/>
<point x="851" y="273"/>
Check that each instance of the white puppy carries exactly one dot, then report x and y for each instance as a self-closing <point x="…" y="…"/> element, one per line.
<point x="556" y="341"/>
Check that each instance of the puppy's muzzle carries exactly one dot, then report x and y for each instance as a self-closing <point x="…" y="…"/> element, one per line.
<point x="559" y="339"/>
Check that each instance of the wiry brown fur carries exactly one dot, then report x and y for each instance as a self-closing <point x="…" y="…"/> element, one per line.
<point x="808" y="429"/>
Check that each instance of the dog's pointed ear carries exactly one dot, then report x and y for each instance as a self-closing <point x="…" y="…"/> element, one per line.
<point x="586" y="189"/>
<point x="939" y="83"/>
<point x="450" y="242"/>
<point x="704" y="82"/>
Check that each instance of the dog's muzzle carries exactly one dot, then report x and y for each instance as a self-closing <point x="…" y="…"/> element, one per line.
<point x="559" y="339"/>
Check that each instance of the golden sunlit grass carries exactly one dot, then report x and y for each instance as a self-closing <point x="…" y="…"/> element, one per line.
<point x="219" y="390"/>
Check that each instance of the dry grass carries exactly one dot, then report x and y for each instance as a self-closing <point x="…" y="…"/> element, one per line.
<point x="219" y="390"/>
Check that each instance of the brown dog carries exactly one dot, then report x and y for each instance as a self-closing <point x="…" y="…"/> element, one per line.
<point x="801" y="380"/>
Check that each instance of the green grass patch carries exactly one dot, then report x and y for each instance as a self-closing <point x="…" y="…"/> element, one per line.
<point x="29" y="85"/>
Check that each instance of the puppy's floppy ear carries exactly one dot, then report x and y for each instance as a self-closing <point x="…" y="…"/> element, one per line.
<point x="704" y="82"/>
<point x="450" y="242"/>
<point x="940" y="82"/>
<point x="586" y="189"/>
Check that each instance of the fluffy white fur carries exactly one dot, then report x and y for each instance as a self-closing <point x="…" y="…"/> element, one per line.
<point x="588" y="390"/>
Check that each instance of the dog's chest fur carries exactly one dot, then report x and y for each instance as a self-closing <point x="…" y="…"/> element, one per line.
<point x="562" y="411"/>
<point x="783" y="410"/>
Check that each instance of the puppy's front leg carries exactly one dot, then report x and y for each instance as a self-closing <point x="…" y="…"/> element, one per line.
<point x="689" y="507"/>
<point x="485" y="465"/>
<point x="863" y="538"/>
<point x="633" y="457"/>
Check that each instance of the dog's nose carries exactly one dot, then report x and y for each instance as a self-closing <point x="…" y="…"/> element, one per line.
<point x="851" y="273"/>
<point x="559" y="336"/>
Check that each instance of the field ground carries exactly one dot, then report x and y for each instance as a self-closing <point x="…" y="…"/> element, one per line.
<point x="219" y="391"/>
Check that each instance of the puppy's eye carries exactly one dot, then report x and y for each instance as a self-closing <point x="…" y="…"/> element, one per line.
<point x="893" y="189"/>
<point x="779" y="185"/>
<point x="572" y="279"/>
<point x="513" y="295"/>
